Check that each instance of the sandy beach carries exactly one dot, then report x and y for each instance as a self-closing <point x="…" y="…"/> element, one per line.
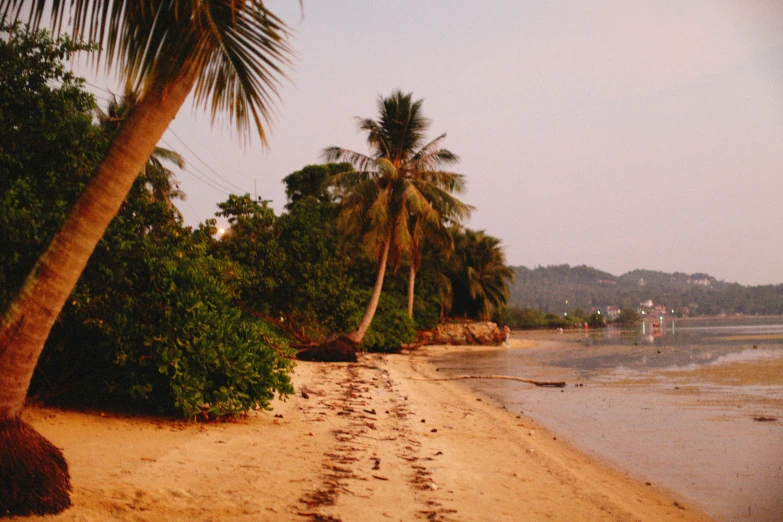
<point x="377" y="440"/>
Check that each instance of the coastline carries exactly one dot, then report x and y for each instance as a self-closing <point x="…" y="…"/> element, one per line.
<point x="370" y="441"/>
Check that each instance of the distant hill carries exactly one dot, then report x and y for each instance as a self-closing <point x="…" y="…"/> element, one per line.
<point x="562" y="288"/>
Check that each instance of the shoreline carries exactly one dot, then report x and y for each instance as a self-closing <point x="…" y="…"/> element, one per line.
<point x="374" y="440"/>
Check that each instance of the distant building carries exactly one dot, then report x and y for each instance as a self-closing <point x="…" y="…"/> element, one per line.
<point x="646" y="304"/>
<point x="612" y="312"/>
<point x="607" y="282"/>
<point x="700" y="282"/>
<point x="642" y="282"/>
<point x="659" y="311"/>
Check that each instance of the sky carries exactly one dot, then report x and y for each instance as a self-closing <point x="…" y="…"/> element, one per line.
<point x="619" y="135"/>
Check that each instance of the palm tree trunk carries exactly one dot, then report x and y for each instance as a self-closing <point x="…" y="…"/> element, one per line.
<point x="28" y="319"/>
<point x="357" y="335"/>
<point x="26" y="323"/>
<point x="411" y="285"/>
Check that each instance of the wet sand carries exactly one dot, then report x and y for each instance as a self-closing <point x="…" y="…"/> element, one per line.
<point x="378" y="440"/>
<point x="689" y="428"/>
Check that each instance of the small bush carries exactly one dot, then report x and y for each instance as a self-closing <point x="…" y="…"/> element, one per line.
<point x="391" y="327"/>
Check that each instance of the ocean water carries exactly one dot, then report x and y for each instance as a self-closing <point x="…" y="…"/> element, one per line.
<point x="687" y="405"/>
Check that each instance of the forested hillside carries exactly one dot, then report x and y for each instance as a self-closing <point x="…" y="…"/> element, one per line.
<point x="562" y="288"/>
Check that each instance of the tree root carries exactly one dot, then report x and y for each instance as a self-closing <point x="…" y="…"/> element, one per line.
<point x="341" y="349"/>
<point x="34" y="476"/>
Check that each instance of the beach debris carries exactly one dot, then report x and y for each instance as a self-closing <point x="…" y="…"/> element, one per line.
<point x="340" y="349"/>
<point x="434" y="430"/>
<point x="377" y="463"/>
<point x="679" y="506"/>
<point x="371" y="412"/>
<point x="765" y="419"/>
<point x="379" y="477"/>
<point x="544" y="384"/>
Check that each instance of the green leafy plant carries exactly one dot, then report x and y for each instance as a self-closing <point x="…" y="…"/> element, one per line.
<point x="391" y="328"/>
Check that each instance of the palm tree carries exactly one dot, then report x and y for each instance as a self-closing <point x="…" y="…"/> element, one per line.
<point x="231" y="55"/>
<point x="479" y="275"/>
<point x="397" y="192"/>
<point x="159" y="179"/>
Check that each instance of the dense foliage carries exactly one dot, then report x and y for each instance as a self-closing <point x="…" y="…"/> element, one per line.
<point x="173" y="320"/>
<point x="479" y="275"/>
<point x="48" y="146"/>
<point x="152" y="323"/>
<point x="391" y="328"/>
<point x="290" y="269"/>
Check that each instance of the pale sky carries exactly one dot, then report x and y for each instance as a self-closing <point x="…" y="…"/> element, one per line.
<point x="616" y="134"/>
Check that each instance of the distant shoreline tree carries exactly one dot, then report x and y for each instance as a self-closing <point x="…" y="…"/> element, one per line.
<point x="479" y="275"/>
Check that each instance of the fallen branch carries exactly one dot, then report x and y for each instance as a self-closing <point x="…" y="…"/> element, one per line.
<point x="545" y="384"/>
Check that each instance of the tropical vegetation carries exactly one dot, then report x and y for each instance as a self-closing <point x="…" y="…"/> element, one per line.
<point x="163" y="318"/>
<point x="229" y="54"/>
<point x="397" y="192"/>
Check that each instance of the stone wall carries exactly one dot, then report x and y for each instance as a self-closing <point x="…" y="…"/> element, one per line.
<point x="479" y="333"/>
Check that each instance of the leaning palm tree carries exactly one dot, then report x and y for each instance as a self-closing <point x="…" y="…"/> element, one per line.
<point x="231" y="55"/>
<point x="157" y="176"/>
<point x="397" y="191"/>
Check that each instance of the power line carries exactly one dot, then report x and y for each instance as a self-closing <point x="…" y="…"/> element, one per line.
<point x="223" y="167"/>
<point x="198" y="216"/>
<point x="207" y="182"/>
<point x="203" y="177"/>
<point x="205" y="163"/>
<point x="99" y="88"/>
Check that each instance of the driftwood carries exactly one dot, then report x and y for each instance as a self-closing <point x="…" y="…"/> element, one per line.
<point x="545" y="384"/>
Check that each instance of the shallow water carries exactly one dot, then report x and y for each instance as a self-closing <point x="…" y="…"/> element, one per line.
<point x="676" y="410"/>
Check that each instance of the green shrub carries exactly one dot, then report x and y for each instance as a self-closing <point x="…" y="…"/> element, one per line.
<point x="168" y="339"/>
<point x="426" y="315"/>
<point x="391" y="327"/>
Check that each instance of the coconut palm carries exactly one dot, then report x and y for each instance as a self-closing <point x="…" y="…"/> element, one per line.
<point x="479" y="275"/>
<point x="398" y="192"/>
<point x="159" y="179"/>
<point x="231" y="56"/>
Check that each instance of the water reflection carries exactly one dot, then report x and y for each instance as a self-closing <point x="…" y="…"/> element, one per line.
<point x="672" y="332"/>
<point x="672" y="405"/>
<point x="668" y="345"/>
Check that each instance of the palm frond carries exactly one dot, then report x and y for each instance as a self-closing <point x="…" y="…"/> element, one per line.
<point x="163" y="154"/>
<point x="359" y="161"/>
<point x="240" y="50"/>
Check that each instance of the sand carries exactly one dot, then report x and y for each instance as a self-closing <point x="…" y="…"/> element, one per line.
<point x="358" y="442"/>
